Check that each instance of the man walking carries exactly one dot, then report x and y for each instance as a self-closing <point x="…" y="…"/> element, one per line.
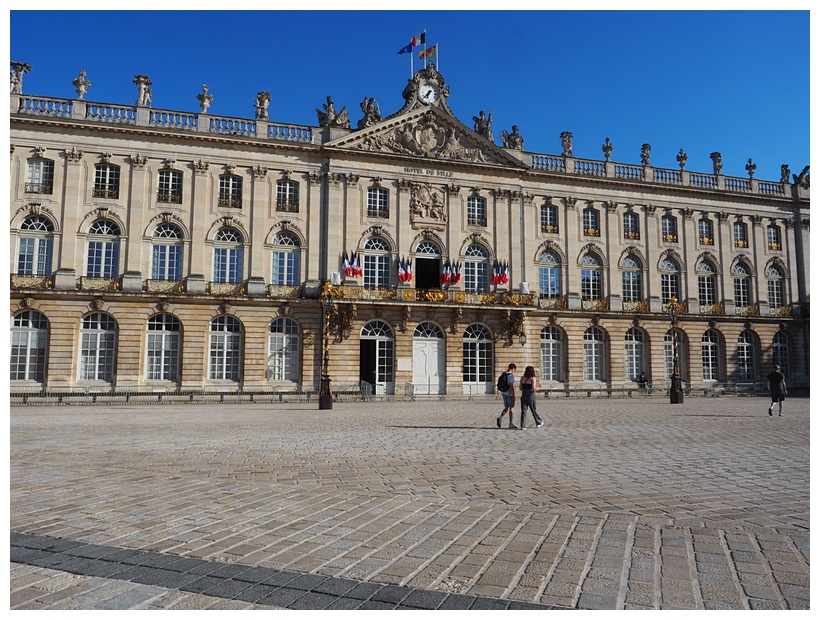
<point x="777" y="389"/>
<point x="508" y="396"/>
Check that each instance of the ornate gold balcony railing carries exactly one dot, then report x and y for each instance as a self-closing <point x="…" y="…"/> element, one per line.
<point x="636" y="306"/>
<point x="681" y="306"/>
<point x="670" y="238"/>
<point x="229" y="202"/>
<point x="477" y="221"/>
<point x="378" y="212"/>
<point x="173" y="197"/>
<point x="99" y="284"/>
<point x="276" y="290"/>
<point x="741" y="243"/>
<point x="226" y="288"/>
<point x="750" y="310"/>
<point x="780" y="311"/>
<point x="288" y="206"/>
<point x="39" y="188"/>
<point x="712" y="309"/>
<point x="432" y="295"/>
<point x="592" y="232"/>
<point x="549" y="228"/>
<point x="30" y="281"/>
<point x="106" y="192"/>
<point x="595" y="304"/>
<point x="775" y="246"/>
<point x="164" y="286"/>
<point x="552" y="303"/>
<point x="706" y="241"/>
<point x="629" y="234"/>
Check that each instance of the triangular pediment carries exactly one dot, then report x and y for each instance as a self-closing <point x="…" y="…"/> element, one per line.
<point x="427" y="132"/>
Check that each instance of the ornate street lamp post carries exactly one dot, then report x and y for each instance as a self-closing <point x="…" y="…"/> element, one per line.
<point x="325" y="393"/>
<point x="675" y="390"/>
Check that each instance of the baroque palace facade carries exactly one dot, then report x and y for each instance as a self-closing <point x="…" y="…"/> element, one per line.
<point x="162" y="250"/>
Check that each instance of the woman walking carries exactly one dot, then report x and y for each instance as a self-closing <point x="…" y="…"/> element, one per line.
<point x="529" y="383"/>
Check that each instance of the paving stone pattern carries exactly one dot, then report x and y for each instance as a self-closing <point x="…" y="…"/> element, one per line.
<point x="612" y="504"/>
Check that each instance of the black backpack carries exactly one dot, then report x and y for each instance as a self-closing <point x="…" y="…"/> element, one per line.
<point x="502" y="384"/>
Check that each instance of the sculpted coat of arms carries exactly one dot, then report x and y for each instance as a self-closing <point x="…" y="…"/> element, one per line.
<point x="427" y="206"/>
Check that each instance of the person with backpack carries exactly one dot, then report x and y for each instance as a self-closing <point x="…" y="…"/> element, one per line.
<point x="506" y="385"/>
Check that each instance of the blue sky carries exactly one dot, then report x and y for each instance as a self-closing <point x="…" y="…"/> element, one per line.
<point x="730" y="81"/>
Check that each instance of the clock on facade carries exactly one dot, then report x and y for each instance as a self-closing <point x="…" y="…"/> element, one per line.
<point x="428" y="93"/>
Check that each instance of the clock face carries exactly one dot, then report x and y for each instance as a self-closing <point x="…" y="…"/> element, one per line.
<point x="428" y="93"/>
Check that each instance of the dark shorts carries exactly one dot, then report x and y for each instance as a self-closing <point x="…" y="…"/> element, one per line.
<point x="509" y="400"/>
<point x="777" y="396"/>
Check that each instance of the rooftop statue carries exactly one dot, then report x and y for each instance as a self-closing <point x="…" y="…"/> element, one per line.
<point x="17" y="71"/>
<point x="261" y="105"/>
<point x="372" y="114"/>
<point x="566" y="143"/>
<point x="483" y="125"/>
<point x="645" y="156"/>
<point x="205" y="99"/>
<point x="143" y="83"/>
<point x="81" y="84"/>
<point x="512" y="140"/>
<point x="717" y="162"/>
<point x="330" y="118"/>
<point x="803" y="178"/>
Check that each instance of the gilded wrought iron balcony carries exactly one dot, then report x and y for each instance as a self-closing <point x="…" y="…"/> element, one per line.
<point x="636" y="306"/>
<point x="99" y="284"/>
<point x="229" y="202"/>
<point x="164" y="286"/>
<point x="775" y="246"/>
<point x="477" y="221"/>
<point x="741" y="243"/>
<point x="552" y="303"/>
<point x="750" y="310"/>
<point x="173" y="197"/>
<point x="226" y="288"/>
<point x="712" y="309"/>
<point x="277" y="290"/>
<point x="30" y="281"/>
<point x="706" y="241"/>
<point x="595" y="304"/>
<point x="670" y="238"/>
<point x="549" y="228"/>
<point x="427" y="295"/>
<point x="780" y="311"/>
<point x="106" y="191"/>
<point x="631" y="234"/>
<point x="39" y="188"/>
<point x="378" y="212"/>
<point x="681" y="306"/>
<point x="288" y="206"/>
<point x="592" y="232"/>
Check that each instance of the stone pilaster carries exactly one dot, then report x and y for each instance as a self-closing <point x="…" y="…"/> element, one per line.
<point x="71" y="258"/>
<point x="725" y="248"/>
<point x="201" y="201"/>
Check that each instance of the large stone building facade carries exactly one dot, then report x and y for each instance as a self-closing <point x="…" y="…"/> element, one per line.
<point x="164" y="250"/>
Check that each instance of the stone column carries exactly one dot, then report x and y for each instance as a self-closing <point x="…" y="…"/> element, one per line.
<point x="138" y="202"/>
<point x="757" y="247"/>
<point x="725" y="249"/>
<point x="609" y="235"/>
<point x="572" y="275"/>
<point x="689" y="280"/>
<point x="258" y="257"/>
<point x="200" y="218"/>
<point x="70" y="260"/>
<point x="791" y="290"/>
<point x="653" y="244"/>
<point x="316" y="265"/>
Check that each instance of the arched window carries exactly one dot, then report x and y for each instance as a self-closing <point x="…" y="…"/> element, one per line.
<point x="594" y="356"/>
<point x="40" y="176"/>
<point x="670" y="280"/>
<point x="476" y="269"/>
<point x="552" y="354"/>
<point x="549" y="219"/>
<point x="283" y="350"/>
<point x="476" y="211"/>
<point x="634" y="353"/>
<point x="228" y="255"/>
<point x="669" y="228"/>
<point x="746" y="356"/>
<point x="36" y="246"/>
<point x="780" y="352"/>
<point x="669" y="353"/>
<point x="742" y="279"/>
<point x="379" y="341"/>
<point x="98" y="341"/>
<point x="632" y="279"/>
<point x="549" y="274"/>
<point x="103" y="250"/>
<point x="163" y="347"/>
<point x="166" y="258"/>
<point x="225" y="351"/>
<point x="29" y="344"/>
<point x="707" y="286"/>
<point x="591" y="277"/>
<point x="774" y="282"/>
<point x="710" y="355"/>
<point x="428" y="249"/>
<point x="285" y="269"/>
<point x="376" y="263"/>
<point x="477" y="355"/>
<point x="378" y="202"/>
<point x="592" y="222"/>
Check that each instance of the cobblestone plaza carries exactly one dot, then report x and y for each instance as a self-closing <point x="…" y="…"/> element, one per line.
<point x="612" y="504"/>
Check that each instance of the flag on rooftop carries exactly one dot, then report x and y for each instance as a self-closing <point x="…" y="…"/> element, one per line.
<point x="407" y="49"/>
<point x="418" y="39"/>
<point x="428" y="53"/>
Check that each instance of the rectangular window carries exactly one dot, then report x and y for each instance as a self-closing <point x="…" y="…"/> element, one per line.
<point x="287" y="196"/>
<point x="476" y="211"/>
<point x="669" y="229"/>
<point x="550" y="360"/>
<point x="40" y="176"/>
<point x="631" y="226"/>
<point x="776" y="293"/>
<point x="377" y="206"/>
<point x="166" y="262"/>
<point x="633" y="352"/>
<point x="163" y="356"/>
<point x="224" y="357"/>
<point x="549" y="219"/>
<point x="593" y="360"/>
<point x="592" y="227"/>
<point x="742" y="297"/>
<point x="591" y="287"/>
<point x="169" y="188"/>
<point x="773" y="238"/>
<point x="103" y="259"/>
<point x="670" y="287"/>
<point x="35" y="257"/>
<point x="228" y="265"/>
<point x="376" y="271"/>
<point x="705" y="234"/>
<point x="106" y="181"/>
<point x="230" y="192"/>
<point x="706" y="290"/>
<point x="475" y="277"/>
<point x="97" y="356"/>
<point x="632" y="286"/>
<point x="741" y="240"/>
<point x="745" y="362"/>
<point x="709" y="357"/>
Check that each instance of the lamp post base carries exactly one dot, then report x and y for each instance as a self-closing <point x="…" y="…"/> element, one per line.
<point x="325" y="395"/>
<point x="675" y="392"/>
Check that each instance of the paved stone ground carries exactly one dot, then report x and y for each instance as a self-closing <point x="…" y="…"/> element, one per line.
<point x="612" y="504"/>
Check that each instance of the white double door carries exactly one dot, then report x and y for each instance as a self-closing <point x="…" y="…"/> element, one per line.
<point x="428" y="365"/>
